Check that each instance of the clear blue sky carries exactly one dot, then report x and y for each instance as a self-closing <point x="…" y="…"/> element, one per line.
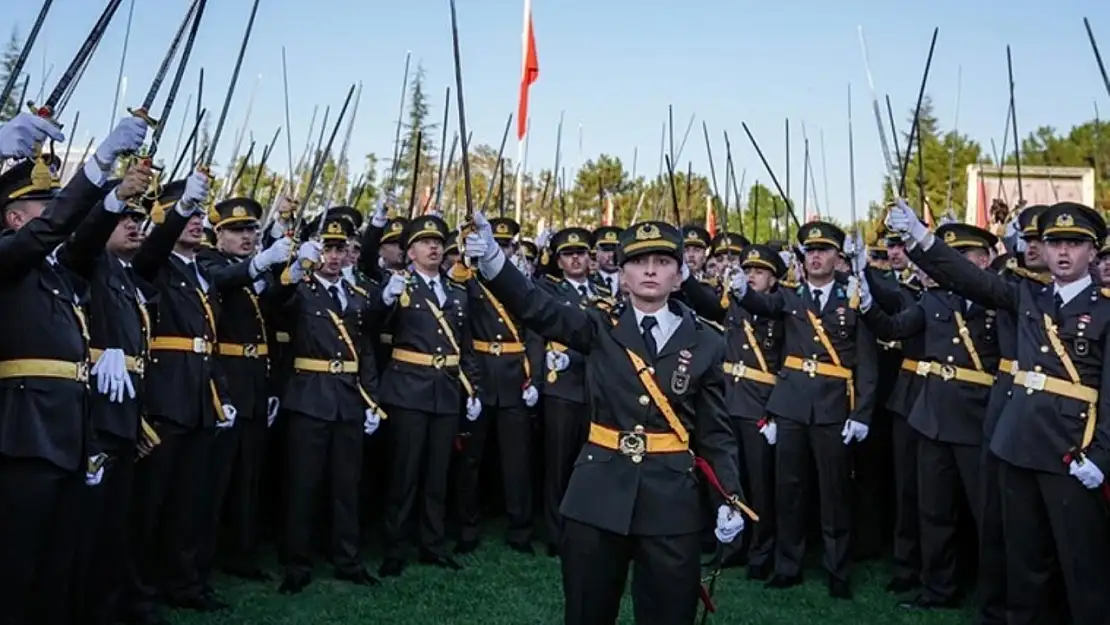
<point x="614" y="66"/>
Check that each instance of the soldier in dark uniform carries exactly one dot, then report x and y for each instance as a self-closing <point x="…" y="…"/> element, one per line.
<point x="329" y="401"/>
<point x="565" y="410"/>
<point x="119" y="337"/>
<point x="186" y="400"/>
<point x="531" y="254"/>
<point x="631" y="498"/>
<point x="511" y="359"/>
<point x="239" y="276"/>
<point x="450" y="251"/>
<point x="606" y="242"/>
<point x="48" y="449"/>
<point x="1048" y="440"/>
<point x="1102" y="271"/>
<point x="895" y="287"/>
<point x="432" y="373"/>
<point x="958" y="366"/>
<point x="695" y="241"/>
<point x="390" y="245"/>
<point x="823" y="401"/>
<point x="753" y="355"/>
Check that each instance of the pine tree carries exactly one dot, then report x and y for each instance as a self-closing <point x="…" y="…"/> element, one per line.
<point x="8" y="58"/>
<point x="417" y="124"/>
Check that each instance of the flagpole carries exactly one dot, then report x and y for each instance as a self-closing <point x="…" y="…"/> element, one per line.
<point x="519" y="191"/>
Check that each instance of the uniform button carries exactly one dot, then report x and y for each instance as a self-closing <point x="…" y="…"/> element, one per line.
<point x="651" y="370"/>
<point x="955" y="340"/>
<point x="639" y="429"/>
<point x="439" y="331"/>
<point x="500" y="320"/>
<point x="498" y="337"/>
<point x="1044" y="349"/>
<point x="439" y="349"/>
<point x="949" y="359"/>
<point x="1037" y="368"/>
<point x="817" y="338"/>
<point x="644" y="399"/>
<point x="590" y="457"/>
<point x="745" y="346"/>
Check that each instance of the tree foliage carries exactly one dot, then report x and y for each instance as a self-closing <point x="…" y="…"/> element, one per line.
<point x="8" y="58"/>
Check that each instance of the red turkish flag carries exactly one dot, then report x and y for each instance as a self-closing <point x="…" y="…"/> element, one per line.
<point x="529" y="73"/>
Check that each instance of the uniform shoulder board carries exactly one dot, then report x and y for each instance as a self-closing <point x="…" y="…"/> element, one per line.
<point x="358" y="289"/>
<point x="456" y="285"/>
<point x="790" y="285"/>
<point x="1105" y="292"/>
<point x="552" y="279"/>
<point x="712" y="324"/>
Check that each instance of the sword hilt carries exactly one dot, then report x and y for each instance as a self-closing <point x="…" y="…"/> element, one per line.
<point x="46" y="112"/>
<point x="144" y="115"/>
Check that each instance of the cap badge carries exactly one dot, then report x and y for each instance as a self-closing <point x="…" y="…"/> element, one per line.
<point x="949" y="236"/>
<point x="239" y="212"/>
<point x="1065" y="221"/>
<point x="396" y="227"/>
<point x="610" y="236"/>
<point x="573" y="238"/>
<point x="754" y="255"/>
<point x="335" y="228"/>
<point x="430" y="225"/>
<point x="502" y="228"/>
<point x="814" y="233"/>
<point x="647" y="232"/>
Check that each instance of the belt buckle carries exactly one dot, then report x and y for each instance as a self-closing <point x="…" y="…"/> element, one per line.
<point x="947" y="372"/>
<point x="439" y="361"/>
<point x="335" y="367"/>
<point x="495" y="348"/>
<point x="923" y="368"/>
<point x="82" y="373"/>
<point x="250" y="351"/>
<point x="810" y="366"/>
<point x="1035" y="381"/>
<point x="200" y="346"/>
<point x="633" y="445"/>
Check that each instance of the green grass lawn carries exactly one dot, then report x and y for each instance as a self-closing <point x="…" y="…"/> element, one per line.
<point x="501" y="587"/>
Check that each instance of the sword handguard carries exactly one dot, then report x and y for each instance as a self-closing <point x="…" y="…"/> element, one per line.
<point x="142" y="114"/>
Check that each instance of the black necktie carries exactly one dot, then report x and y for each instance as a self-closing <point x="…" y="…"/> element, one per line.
<point x="817" y="300"/>
<point x="334" y="292"/>
<point x="646" y="325"/>
<point x="1059" y="303"/>
<point x="582" y="290"/>
<point x="432" y="286"/>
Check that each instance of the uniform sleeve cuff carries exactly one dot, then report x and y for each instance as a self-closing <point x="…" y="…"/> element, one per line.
<point x="113" y="204"/>
<point x="491" y="268"/>
<point x="93" y="172"/>
<point x="184" y="212"/>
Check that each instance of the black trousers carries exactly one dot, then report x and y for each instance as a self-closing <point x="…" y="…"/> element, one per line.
<point x="39" y="521"/>
<point x="236" y="478"/>
<point x="1053" y="523"/>
<point x="422" y="444"/>
<point x="665" y="576"/>
<point x="907" y="535"/>
<point x="759" y="461"/>
<point x="946" y="474"/>
<point x="565" y="427"/>
<point x="104" y="561"/>
<point x="991" y="591"/>
<point x="796" y="445"/>
<point x="322" y="455"/>
<point x="172" y="491"/>
<point x="514" y="438"/>
<point x="871" y="474"/>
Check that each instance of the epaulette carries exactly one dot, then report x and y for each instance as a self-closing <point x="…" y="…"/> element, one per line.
<point x="358" y="289"/>
<point x="552" y="279"/>
<point x="790" y="285"/>
<point x="1022" y="272"/>
<point x="1105" y="292"/>
<point x="456" y="285"/>
<point x="912" y="286"/>
<point x="712" y="324"/>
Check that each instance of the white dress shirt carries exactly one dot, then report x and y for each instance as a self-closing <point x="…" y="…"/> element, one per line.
<point x="826" y="290"/>
<point x="667" y="323"/>
<point x="612" y="280"/>
<point x="338" y="284"/>
<point x="1069" y="291"/>
<point x="192" y="262"/>
<point x="579" y="285"/>
<point x="435" y="283"/>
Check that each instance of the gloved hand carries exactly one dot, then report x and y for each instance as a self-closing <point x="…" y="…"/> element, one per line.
<point x="557" y="361"/>
<point x="196" y="193"/>
<point x="94" y="471"/>
<point x="371" y="422"/>
<point x="902" y="218"/>
<point x="273" y="405"/>
<point x="530" y="396"/>
<point x="473" y="409"/>
<point x="770" y="432"/>
<point x="854" y="430"/>
<point x="739" y="283"/>
<point x="1087" y="472"/>
<point x="19" y="135"/>
<point x="729" y="524"/>
<point x="111" y="374"/>
<point x="229" y="412"/>
<point x="310" y="251"/>
<point x="394" y="288"/>
<point x="480" y="244"/>
<point x="278" y="252"/>
<point x="127" y="137"/>
<point x="685" y="271"/>
<point x="381" y="210"/>
<point x="859" y="260"/>
<point x="865" y="299"/>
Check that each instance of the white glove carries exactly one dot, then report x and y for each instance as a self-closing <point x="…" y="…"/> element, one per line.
<point x="543" y="237"/>
<point x="770" y="432"/>
<point x="865" y="299"/>
<point x="859" y="260"/>
<point x="739" y="283"/>
<point x="1087" y="472"/>
<point x="530" y="396"/>
<point x="310" y="251"/>
<point x="371" y="422"/>
<point x="1013" y="230"/>
<point x="685" y="272"/>
<point x="278" y="228"/>
<point x="854" y="431"/>
<point x="557" y="361"/>
<point x="381" y="209"/>
<point x="196" y="192"/>
<point x="729" y="524"/>
<point x="229" y="412"/>
<point x="278" y="252"/>
<point x="394" y="288"/>
<point x="93" y="478"/>
<point x="20" y="134"/>
<point x="473" y="409"/>
<point x="480" y="244"/>
<point x="273" y="405"/>
<point x="127" y="137"/>
<point x="111" y="374"/>
<point x="902" y="218"/>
